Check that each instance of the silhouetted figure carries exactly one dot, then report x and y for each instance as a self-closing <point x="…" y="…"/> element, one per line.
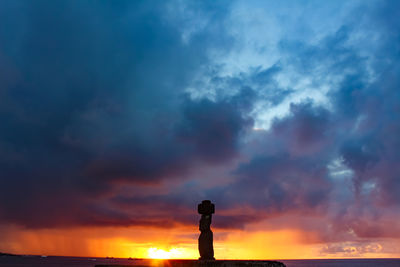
<point x="206" y="250"/>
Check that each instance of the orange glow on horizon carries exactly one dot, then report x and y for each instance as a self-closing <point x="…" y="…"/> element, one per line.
<point x="172" y="244"/>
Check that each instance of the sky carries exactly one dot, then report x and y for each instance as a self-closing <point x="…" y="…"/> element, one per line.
<point x="118" y="117"/>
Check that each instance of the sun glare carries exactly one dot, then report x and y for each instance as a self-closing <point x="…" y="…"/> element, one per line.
<point x="173" y="253"/>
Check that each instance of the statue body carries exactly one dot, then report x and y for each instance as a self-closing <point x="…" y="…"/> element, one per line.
<point x="206" y="250"/>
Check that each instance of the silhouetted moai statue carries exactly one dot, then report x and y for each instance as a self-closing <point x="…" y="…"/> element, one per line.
<point x="206" y="250"/>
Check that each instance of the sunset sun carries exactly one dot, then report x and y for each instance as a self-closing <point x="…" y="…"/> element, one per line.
<point x="156" y="253"/>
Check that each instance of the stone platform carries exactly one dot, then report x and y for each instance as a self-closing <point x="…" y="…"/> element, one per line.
<point x="216" y="263"/>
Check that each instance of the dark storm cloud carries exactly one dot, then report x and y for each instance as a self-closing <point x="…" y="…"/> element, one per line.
<point x="92" y="101"/>
<point x="205" y="131"/>
<point x="91" y="96"/>
<point x="212" y="129"/>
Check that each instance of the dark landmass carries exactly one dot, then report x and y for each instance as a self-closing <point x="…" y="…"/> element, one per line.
<point x="37" y="260"/>
<point x="211" y="263"/>
<point x="8" y="255"/>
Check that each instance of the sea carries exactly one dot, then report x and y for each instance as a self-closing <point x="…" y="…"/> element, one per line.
<point x="57" y="261"/>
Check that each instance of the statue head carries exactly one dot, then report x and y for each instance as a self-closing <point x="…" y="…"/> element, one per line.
<point x="206" y="207"/>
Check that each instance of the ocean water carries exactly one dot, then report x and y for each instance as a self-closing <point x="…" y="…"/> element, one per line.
<point x="52" y="261"/>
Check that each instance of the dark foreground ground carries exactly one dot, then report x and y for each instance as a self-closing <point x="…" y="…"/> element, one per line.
<point x="217" y="263"/>
<point x="37" y="261"/>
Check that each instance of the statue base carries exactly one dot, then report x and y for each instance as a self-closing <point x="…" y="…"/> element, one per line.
<point x="208" y="259"/>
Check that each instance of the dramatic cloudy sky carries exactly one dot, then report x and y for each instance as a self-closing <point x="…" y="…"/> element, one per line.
<point x="118" y="117"/>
